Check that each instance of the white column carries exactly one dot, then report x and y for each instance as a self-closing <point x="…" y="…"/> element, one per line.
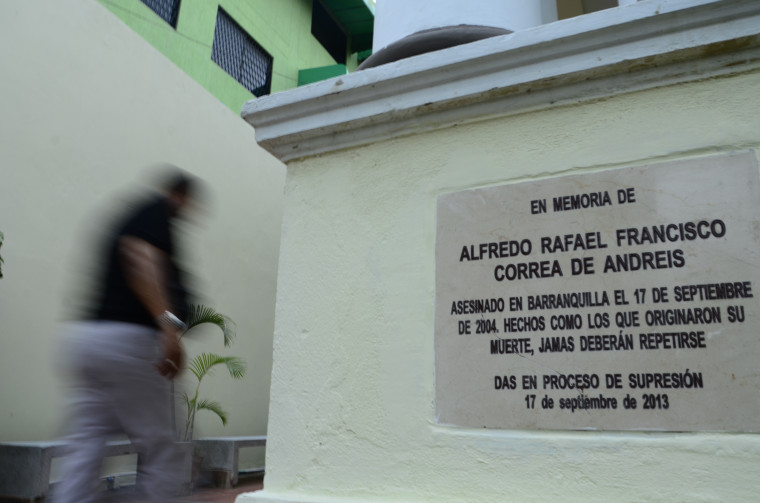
<point x="396" y="19"/>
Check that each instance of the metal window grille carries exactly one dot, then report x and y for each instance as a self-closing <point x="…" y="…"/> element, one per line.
<point x="240" y="56"/>
<point x="168" y="10"/>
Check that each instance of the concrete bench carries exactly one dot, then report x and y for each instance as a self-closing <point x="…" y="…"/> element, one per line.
<point x="220" y="456"/>
<point x="25" y="466"/>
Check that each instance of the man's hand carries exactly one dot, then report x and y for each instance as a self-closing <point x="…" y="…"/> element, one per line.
<point x="173" y="354"/>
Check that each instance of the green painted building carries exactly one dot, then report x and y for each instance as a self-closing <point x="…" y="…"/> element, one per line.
<point x="239" y="49"/>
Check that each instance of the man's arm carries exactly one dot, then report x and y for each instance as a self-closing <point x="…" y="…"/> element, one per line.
<point x="145" y="271"/>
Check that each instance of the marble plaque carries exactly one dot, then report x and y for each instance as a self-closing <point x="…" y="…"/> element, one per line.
<point x="625" y="299"/>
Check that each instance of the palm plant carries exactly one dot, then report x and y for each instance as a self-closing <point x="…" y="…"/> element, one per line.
<point x="203" y="365"/>
<point x="198" y="315"/>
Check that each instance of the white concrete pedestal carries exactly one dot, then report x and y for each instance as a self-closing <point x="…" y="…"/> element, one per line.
<point x="353" y="413"/>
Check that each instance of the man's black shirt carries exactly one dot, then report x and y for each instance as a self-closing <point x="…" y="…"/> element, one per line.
<point x="150" y="221"/>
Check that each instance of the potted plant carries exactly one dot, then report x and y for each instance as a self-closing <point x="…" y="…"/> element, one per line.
<point x="201" y="366"/>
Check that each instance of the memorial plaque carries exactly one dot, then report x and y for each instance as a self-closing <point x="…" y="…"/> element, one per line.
<point x="618" y="300"/>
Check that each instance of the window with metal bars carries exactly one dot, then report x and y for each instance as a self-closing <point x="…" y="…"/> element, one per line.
<point x="241" y="56"/>
<point x="168" y="10"/>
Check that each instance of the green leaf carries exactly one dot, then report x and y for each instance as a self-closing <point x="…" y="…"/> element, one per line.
<point x="204" y="363"/>
<point x="214" y="407"/>
<point x="199" y="315"/>
<point x="236" y="367"/>
<point x="185" y="399"/>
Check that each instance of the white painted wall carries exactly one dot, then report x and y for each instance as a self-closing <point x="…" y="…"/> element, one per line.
<point x="396" y="19"/>
<point x="87" y="106"/>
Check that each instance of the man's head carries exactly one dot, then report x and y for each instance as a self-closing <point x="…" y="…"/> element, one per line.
<point x="180" y="188"/>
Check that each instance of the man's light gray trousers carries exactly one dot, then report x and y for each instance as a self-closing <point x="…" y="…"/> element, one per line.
<point x="116" y="389"/>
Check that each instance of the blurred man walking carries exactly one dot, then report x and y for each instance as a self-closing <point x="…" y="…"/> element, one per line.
<point x="126" y="350"/>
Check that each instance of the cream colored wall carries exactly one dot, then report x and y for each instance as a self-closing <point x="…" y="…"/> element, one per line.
<point x="87" y="105"/>
<point x="352" y="414"/>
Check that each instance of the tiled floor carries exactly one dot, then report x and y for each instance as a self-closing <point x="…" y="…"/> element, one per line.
<point x="213" y="495"/>
<point x="246" y="484"/>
